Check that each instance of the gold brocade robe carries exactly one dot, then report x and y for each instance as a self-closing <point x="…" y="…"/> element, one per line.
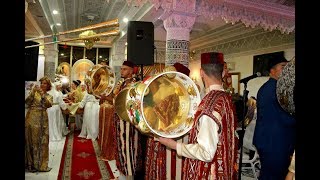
<point x="37" y="132"/>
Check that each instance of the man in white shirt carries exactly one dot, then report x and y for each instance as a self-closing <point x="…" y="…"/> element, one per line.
<point x="211" y="152"/>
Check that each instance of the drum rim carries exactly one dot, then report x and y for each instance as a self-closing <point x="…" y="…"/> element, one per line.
<point x="149" y="81"/>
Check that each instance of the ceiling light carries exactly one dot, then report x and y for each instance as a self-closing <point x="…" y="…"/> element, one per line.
<point x="125" y="20"/>
<point x="55" y="12"/>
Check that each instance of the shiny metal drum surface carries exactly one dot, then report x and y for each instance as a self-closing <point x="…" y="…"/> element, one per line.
<point x="167" y="103"/>
<point x="286" y="86"/>
<point x="120" y="104"/>
<point x="102" y="79"/>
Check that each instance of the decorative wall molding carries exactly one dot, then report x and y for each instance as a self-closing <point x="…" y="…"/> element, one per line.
<point x="267" y="14"/>
<point x="160" y="51"/>
<point x="177" y="51"/>
<point x="179" y="26"/>
<point x="248" y="45"/>
<point x="160" y="56"/>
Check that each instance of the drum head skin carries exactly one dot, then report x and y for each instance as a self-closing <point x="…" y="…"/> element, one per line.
<point x="102" y="79"/>
<point x="286" y="86"/>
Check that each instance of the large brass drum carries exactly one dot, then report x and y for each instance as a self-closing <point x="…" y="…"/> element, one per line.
<point x="286" y="86"/>
<point x="102" y="79"/>
<point x="120" y="103"/>
<point x="162" y="105"/>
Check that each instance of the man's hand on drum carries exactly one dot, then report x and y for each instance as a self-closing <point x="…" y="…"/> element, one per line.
<point x="167" y="142"/>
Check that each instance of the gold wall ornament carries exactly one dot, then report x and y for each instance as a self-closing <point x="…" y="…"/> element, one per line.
<point x="89" y="38"/>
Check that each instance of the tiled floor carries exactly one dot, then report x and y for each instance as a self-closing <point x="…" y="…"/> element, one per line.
<point x="56" y="149"/>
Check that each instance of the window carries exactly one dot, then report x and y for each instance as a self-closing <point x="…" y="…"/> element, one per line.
<point x="64" y="54"/>
<point x="77" y="53"/>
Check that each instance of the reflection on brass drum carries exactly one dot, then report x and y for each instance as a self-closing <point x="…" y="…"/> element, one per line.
<point x="286" y="86"/>
<point x="163" y="104"/>
<point x="102" y="79"/>
<point x="128" y="106"/>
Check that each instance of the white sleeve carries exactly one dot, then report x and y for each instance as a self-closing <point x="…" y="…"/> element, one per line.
<point x="207" y="141"/>
<point x="62" y="104"/>
<point x="84" y="100"/>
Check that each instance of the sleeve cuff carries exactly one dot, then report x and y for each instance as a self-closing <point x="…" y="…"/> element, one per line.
<point x="179" y="148"/>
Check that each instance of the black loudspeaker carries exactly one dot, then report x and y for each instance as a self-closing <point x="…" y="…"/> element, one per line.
<point x="31" y="56"/>
<point x="140" y="39"/>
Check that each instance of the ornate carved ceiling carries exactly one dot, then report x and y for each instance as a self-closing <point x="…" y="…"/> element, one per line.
<point x="216" y="20"/>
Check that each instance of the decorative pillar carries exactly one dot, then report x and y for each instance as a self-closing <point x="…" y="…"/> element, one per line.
<point x="178" y="26"/>
<point x="51" y="59"/>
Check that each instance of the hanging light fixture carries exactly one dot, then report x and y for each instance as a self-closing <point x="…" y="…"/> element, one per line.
<point x="89" y="41"/>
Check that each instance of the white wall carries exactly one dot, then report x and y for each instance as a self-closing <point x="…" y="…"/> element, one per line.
<point x="244" y="65"/>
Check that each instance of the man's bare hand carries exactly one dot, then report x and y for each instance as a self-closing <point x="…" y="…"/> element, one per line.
<point x="167" y="142"/>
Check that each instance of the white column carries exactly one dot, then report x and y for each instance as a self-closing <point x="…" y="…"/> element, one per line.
<point x="178" y="29"/>
<point x="51" y="59"/>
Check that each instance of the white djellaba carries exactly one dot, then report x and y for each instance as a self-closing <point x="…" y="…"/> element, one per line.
<point x="57" y="125"/>
<point x="90" y="125"/>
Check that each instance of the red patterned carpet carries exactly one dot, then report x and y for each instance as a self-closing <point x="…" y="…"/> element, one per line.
<point x="80" y="160"/>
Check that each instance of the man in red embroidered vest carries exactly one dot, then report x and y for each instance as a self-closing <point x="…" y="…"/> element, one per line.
<point x="211" y="152"/>
<point x="127" y="139"/>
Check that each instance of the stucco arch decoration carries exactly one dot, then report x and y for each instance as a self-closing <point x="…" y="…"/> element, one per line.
<point x="267" y="14"/>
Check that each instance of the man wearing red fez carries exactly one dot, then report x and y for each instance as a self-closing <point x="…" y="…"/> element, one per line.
<point x="211" y="151"/>
<point x="127" y="137"/>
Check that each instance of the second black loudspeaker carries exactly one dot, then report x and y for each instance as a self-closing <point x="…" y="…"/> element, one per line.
<point x="140" y="48"/>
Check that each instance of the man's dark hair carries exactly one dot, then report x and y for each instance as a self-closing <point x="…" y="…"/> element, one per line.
<point x="213" y="70"/>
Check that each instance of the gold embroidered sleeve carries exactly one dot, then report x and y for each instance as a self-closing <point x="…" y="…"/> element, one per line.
<point x="30" y="98"/>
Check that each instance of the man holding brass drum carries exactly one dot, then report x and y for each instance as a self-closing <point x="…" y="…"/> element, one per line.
<point x="156" y="164"/>
<point x="211" y="151"/>
<point x="127" y="137"/>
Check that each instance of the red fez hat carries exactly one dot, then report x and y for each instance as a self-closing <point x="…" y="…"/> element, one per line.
<point x="128" y="63"/>
<point x="181" y="68"/>
<point x="212" y="58"/>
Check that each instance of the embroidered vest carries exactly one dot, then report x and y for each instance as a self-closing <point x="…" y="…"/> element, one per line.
<point x="223" y="164"/>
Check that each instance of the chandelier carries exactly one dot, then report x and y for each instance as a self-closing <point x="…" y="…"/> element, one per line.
<point x="88" y="39"/>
